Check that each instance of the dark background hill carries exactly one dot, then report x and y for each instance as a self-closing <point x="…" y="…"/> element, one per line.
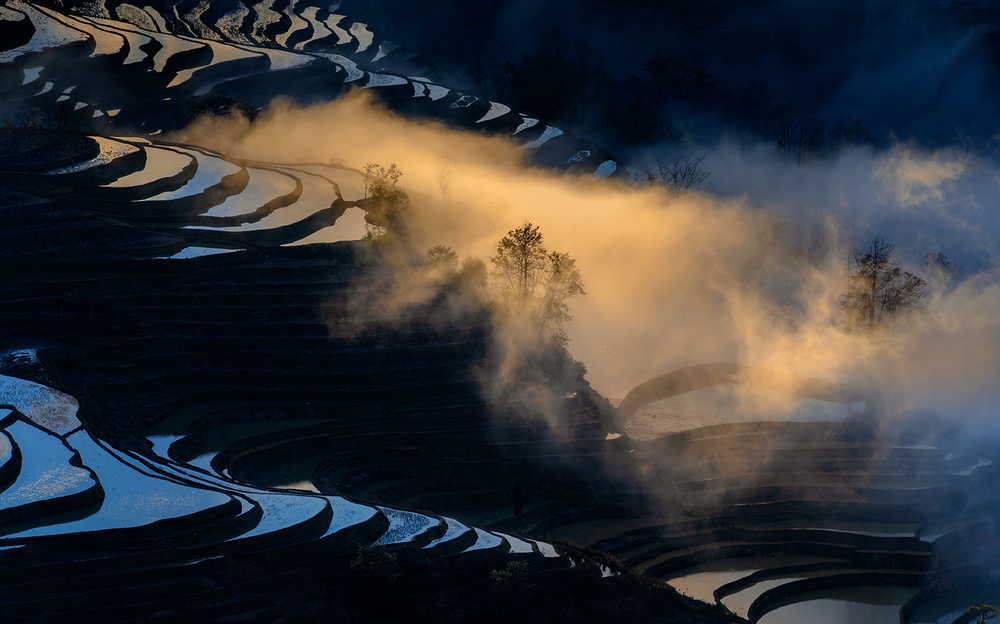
<point x="643" y="72"/>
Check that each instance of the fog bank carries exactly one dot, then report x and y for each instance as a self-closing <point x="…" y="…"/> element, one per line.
<point x="752" y="273"/>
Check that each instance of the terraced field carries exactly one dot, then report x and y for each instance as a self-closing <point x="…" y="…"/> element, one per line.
<point x="248" y="429"/>
<point x="783" y="512"/>
<point x="198" y="422"/>
<point x="111" y="67"/>
<point x="236" y="411"/>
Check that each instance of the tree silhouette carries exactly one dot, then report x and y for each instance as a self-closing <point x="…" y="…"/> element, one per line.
<point x="878" y="290"/>
<point x="681" y="175"/>
<point x="443" y="256"/>
<point x="982" y="613"/>
<point x="796" y="130"/>
<point x="535" y="284"/>
<point x="472" y="275"/>
<point x="385" y="204"/>
<point x="519" y="265"/>
<point x="562" y="281"/>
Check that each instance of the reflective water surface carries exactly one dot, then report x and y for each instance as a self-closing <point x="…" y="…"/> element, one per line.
<point x="848" y="605"/>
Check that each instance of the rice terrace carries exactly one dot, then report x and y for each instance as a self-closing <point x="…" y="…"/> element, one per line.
<point x="580" y="311"/>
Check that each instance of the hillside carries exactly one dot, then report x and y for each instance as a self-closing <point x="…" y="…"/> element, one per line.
<point x="215" y="407"/>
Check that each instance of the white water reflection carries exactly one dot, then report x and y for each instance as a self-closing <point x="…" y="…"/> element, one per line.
<point x="404" y="526"/>
<point x="548" y="550"/>
<point x="455" y="528"/>
<point x="350" y="226"/>
<point x="6" y="447"/>
<point x="317" y="194"/>
<point x="46" y="407"/>
<point x="299" y="486"/>
<point x="160" y="164"/>
<point x="264" y="186"/>
<point x="198" y="252"/>
<point x="211" y="171"/>
<point x="45" y="469"/>
<point x="485" y="540"/>
<point x="347" y="514"/>
<point x="203" y="461"/>
<point x="517" y="545"/>
<point x="282" y="511"/>
<point x="132" y="497"/>
<point x="109" y="151"/>
<point x="49" y="33"/>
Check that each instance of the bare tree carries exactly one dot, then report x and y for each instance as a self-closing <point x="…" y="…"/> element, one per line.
<point x="942" y="267"/>
<point x="754" y="97"/>
<point x="878" y="290"/>
<point x="370" y="170"/>
<point x="795" y="130"/>
<point x="444" y="182"/>
<point x="845" y="132"/>
<point x="681" y="174"/>
<point x="816" y="244"/>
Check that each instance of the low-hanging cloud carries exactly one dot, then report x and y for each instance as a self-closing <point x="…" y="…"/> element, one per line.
<point x="913" y="179"/>
<point x="752" y="274"/>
